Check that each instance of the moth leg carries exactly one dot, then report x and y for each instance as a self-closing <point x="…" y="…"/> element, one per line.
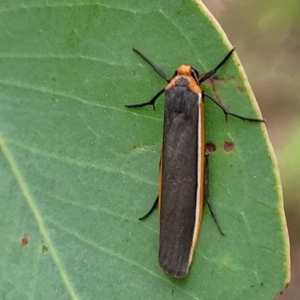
<point x="151" y="210"/>
<point x="151" y="102"/>
<point x="206" y="191"/>
<point x="227" y="112"/>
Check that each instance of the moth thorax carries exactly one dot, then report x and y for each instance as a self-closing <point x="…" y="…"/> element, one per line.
<point x="182" y="81"/>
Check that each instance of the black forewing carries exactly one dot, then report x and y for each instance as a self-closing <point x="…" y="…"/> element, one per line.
<point x="179" y="180"/>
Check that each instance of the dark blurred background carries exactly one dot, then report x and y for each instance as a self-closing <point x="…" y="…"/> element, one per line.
<point x="267" y="37"/>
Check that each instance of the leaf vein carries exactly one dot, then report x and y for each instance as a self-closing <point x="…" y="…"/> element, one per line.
<point x="117" y="255"/>
<point x="39" y="220"/>
<point x="44" y="90"/>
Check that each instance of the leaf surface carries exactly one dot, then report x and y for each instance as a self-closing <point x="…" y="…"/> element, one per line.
<point x="77" y="168"/>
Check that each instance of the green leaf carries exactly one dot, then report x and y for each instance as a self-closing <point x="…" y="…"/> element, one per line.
<point x="78" y="168"/>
